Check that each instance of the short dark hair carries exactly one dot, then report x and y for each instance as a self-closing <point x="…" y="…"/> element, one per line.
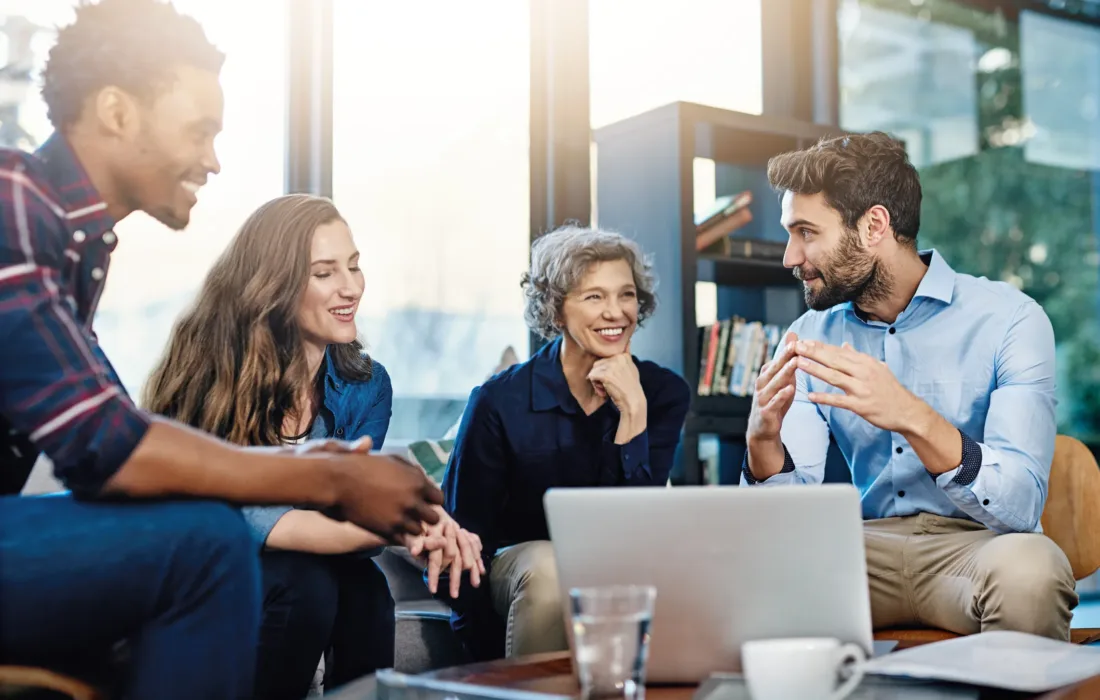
<point x="133" y="44"/>
<point x="854" y="173"/>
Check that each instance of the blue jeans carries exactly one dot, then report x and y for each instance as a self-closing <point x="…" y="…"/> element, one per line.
<point x="179" y="581"/>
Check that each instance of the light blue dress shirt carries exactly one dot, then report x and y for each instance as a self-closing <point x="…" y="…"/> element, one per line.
<point x="981" y="353"/>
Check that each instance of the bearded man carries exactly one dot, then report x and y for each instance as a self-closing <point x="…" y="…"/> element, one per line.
<point x="938" y="388"/>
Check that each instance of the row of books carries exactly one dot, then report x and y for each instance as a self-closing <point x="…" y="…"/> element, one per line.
<point x="731" y="353"/>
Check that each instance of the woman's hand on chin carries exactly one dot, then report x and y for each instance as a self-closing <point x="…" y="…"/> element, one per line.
<point x="617" y="378"/>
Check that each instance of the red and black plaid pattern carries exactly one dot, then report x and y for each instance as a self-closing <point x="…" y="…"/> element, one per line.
<point x="58" y="392"/>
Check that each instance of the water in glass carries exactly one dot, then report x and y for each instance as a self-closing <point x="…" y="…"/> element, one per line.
<point x="611" y="640"/>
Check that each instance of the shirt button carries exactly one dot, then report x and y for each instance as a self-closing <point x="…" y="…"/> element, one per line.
<point x="901" y="494"/>
<point x="78" y="236"/>
<point x="893" y="330"/>
<point x="985" y="502"/>
<point x="97" y="274"/>
<point x="898" y="450"/>
<point x="109" y="238"/>
<point x="339" y="431"/>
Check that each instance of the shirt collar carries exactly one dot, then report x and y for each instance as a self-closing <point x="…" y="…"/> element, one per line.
<point x="938" y="282"/>
<point x="332" y="378"/>
<point x="84" y="208"/>
<point x="549" y="389"/>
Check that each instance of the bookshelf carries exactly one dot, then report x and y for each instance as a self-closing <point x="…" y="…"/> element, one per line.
<point x="645" y="188"/>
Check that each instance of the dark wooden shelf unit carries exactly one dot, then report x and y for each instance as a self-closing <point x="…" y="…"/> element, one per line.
<point x="645" y="189"/>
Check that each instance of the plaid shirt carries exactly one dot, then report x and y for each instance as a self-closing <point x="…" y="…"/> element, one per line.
<point x="58" y="392"/>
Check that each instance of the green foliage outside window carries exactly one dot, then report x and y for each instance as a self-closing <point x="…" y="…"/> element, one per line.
<point x="995" y="214"/>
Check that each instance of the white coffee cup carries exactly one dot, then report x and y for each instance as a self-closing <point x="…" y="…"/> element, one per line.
<point x="805" y="668"/>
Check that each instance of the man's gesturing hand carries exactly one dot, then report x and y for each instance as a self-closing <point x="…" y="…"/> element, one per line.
<point x="774" y="393"/>
<point x="870" y="389"/>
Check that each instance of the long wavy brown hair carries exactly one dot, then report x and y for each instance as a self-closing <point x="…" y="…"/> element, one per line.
<point x="235" y="365"/>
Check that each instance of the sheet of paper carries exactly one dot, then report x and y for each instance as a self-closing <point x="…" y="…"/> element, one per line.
<point x="1009" y="660"/>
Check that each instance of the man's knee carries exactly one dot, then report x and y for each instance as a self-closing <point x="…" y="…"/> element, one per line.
<point x="1029" y="584"/>
<point x="210" y="540"/>
<point x="211" y="527"/>
<point x="1026" y="565"/>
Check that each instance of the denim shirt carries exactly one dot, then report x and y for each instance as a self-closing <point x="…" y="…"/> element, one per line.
<point x="349" y="410"/>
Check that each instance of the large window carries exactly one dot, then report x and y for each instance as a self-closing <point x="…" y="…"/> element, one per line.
<point x="431" y="105"/>
<point x="155" y="272"/>
<point x="639" y="59"/>
<point x="1001" y="114"/>
<point x="644" y="55"/>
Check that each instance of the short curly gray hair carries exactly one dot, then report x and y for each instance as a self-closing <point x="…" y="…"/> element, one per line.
<point x="560" y="259"/>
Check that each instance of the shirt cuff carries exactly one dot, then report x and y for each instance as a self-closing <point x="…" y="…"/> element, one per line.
<point x="261" y="520"/>
<point x="788" y="467"/>
<point x="634" y="455"/>
<point x="971" y="462"/>
<point x="83" y="465"/>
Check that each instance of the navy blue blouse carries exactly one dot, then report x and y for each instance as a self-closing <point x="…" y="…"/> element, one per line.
<point x="523" y="432"/>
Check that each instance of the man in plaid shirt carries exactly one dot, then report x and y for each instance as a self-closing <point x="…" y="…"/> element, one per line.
<point x="132" y="90"/>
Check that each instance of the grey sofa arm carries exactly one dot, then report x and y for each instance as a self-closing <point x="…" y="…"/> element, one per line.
<point x="404" y="574"/>
<point x="424" y="638"/>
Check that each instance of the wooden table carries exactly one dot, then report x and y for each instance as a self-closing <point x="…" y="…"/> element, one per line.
<point x="552" y="674"/>
<point x="543" y="673"/>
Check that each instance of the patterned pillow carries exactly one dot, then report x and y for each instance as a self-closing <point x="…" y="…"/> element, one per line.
<point x="432" y="456"/>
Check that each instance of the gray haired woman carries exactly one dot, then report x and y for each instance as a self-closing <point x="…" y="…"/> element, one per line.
<point x="581" y="412"/>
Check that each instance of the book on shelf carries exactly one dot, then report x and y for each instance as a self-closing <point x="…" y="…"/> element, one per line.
<point x="731" y="353"/>
<point x="714" y="226"/>
<point x="714" y="229"/>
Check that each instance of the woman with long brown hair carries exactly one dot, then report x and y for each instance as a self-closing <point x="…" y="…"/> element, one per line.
<point x="269" y="355"/>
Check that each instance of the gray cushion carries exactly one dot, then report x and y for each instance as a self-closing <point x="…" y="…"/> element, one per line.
<point x="424" y="639"/>
<point x="404" y="574"/>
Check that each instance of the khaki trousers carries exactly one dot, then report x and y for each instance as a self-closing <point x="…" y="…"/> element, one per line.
<point x="930" y="571"/>
<point x="523" y="584"/>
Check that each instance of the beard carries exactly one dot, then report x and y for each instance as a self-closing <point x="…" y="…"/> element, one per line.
<point x="849" y="273"/>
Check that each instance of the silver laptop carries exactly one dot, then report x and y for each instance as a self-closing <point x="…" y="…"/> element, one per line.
<point x="729" y="564"/>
